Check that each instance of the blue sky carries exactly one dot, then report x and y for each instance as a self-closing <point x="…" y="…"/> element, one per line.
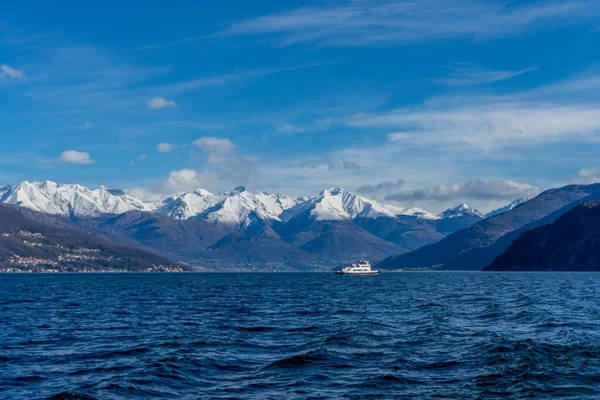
<point x="427" y="103"/>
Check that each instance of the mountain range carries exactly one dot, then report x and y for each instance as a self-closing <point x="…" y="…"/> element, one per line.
<point x="242" y="228"/>
<point x="477" y="246"/>
<point x="51" y="225"/>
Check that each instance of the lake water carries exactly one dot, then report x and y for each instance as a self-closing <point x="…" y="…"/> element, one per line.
<point x="299" y="336"/>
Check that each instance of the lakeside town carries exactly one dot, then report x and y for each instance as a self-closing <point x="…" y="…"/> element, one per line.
<point x="70" y="260"/>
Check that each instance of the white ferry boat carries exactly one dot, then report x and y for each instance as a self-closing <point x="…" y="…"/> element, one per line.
<point x="360" y="268"/>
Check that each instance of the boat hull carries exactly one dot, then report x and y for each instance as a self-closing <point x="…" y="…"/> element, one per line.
<point x="357" y="273"/>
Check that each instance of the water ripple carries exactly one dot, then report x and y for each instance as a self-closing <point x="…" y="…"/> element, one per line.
<point x="299" y="336"/>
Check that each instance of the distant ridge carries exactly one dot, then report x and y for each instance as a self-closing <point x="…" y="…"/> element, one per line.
<point x="571" y="243"/>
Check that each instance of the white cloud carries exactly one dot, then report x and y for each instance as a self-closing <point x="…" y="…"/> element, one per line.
<point x="378" y="22"/>
<point x="178" y="181"/>
<point x="160" y="102"/>
<point x="479" y="189"/>
<point x="470" y="74"/>
<point x="182" y="180"/>
<point x="586" y="176"/>
<point x="165" y="147"/>
<point x="75" y="157"/>
<point x="8" y="72"/>
<point x="88" y="125"/>
<point x="214" y="145"/>
<point x="493" y="122"/>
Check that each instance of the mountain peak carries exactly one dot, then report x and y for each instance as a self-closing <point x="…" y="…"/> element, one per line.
<point x="338" y="204"/>
<point x="334" y="191"/>
<point x="506" y="208"/>
<point x="460" y="210"/>
<point x="202" y="192"/>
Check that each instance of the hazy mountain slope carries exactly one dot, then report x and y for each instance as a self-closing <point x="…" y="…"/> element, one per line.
<point x="260" y="247"/>
<point x="571" y="243"/>
<point x="506" y="208"/>
<point x="407" y="231"/>
<point x="24" y="239"/>
<point x="479" y="258"/>
<point x="488" y="231"/>
<point x="177" y="239"/>
<point x="336" y="241"/>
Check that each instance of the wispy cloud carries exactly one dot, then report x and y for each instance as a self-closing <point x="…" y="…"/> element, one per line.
<point x="471" y="74"/>
<point x="81" y="78"/>
<point x="561" y="111"/>
<point x="320" y="125"/>
<point x="224" y="79"/>
<point x="7" y="72"/>
<point x="373" y="22"/>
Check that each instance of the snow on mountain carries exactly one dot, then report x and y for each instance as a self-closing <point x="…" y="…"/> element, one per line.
<point x="3" y="190"/>
<point x="506" y="208"/>
<point x="238" y="207"/>
<point x="189" y="204"/>
<point x="459" y="211"/>
<point x="70" y="200"/>
<point x="337" y="204"/>
<point x="418" y="212"/>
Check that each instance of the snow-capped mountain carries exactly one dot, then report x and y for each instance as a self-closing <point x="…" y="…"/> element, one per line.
<point x="246" y="227"/>
<point x="70" y="200"/>
<point x="3" y="190"/>
<point x="456" y="218"/>
<point x="337" y="204"/>
<point x="189" y="204"/>
<point x="240" y="206"/>
<point x="460" y="211"/>
<point x="506" y="208"/>
<point x="237" y="207"/>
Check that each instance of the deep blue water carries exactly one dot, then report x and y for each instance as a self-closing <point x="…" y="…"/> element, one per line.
<point x="299" y="336"/>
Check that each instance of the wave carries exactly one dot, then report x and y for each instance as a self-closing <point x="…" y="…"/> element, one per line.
<point x="297" y="360"/>
<point x="69" y="396"/>
<point x="256" y="328"/>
